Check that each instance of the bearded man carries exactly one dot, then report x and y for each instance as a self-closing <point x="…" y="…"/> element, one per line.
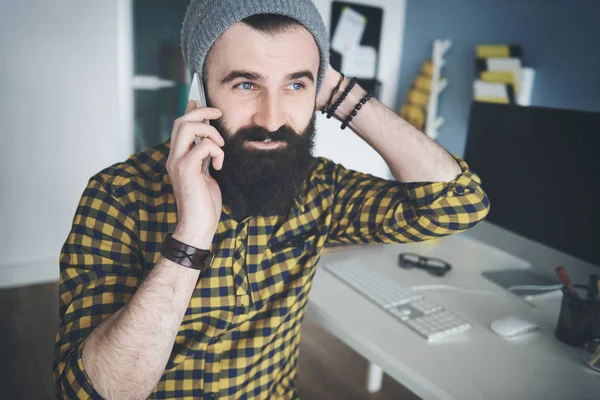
<point x="177" y="284"/>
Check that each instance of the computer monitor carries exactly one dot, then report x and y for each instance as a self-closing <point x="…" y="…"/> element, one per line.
<point x="540" y="168"/>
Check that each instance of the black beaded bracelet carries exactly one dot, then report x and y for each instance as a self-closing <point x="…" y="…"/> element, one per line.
<point x="356" y="110"/>
<point x="331" y="110"/>
<point x="337" y="88"/>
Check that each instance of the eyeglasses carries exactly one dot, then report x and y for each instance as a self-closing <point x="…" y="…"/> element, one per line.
<point x="434" y="266"/>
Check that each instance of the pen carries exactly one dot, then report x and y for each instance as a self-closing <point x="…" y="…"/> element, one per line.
<point x="594" y="358"/>
<point x="564" y="278"/>
<point x="593" y="287"/>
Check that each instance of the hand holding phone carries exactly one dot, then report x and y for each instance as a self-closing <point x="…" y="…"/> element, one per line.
<point x="198" y="94"/>
<point x="197" y="195"/>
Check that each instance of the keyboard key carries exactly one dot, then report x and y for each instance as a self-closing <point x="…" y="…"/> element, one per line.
<point x="426" y="306"/>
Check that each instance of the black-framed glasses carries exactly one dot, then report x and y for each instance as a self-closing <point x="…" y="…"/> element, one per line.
<point x="434" y="266"/>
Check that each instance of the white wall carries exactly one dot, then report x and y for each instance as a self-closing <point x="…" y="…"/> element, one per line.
<point x="344" y="146"/>
<point x="59" y="123"/>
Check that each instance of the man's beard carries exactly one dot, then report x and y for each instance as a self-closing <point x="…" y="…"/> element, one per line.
<point x="257" y="182"/>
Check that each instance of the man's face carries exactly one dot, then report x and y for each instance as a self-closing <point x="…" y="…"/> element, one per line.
<point x="265" y="85"/>
<point x="265" y="80"/>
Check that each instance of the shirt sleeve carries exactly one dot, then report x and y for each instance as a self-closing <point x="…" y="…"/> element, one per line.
<point x="368" y="209"/>
<point x="100" y="271"/>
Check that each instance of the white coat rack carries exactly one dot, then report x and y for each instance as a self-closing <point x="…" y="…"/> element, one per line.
<point x="434" y="122"/>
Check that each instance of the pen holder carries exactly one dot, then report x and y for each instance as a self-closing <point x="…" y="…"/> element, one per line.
<point x="579" y="318"/>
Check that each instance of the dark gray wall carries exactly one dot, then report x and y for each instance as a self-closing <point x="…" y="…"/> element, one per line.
<point x="560" y="39"/>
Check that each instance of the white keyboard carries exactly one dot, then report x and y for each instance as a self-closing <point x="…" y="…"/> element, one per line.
<point x="425" y="317"/>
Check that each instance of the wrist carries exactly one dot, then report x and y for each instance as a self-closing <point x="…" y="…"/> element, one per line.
<point x="331" y="81"/>
<point x="201" y="241"/>
<point x="353" y="97"/>
<point x="328" y="86"/>
<point x="186" y="255"/>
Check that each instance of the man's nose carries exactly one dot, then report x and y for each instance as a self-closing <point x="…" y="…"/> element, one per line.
<point x="270" y="114"/>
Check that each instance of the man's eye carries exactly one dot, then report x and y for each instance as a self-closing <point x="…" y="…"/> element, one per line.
<point x="246" y="86"/>
<point x="297" y="86"/>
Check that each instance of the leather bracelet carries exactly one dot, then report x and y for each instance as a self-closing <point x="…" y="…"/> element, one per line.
<point x="337" y="88"/>
<point x="356" y="109"/>
<point x="342" y="98"/>
<point x="186" y="256"/>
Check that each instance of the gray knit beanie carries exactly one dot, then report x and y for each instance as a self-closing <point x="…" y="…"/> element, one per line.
<point x="206" y="20"/>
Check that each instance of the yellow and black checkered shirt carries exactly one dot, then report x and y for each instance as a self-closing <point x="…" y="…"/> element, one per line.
<point x="240" y="336"/>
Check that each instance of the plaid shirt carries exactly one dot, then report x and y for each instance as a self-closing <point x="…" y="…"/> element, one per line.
<point x="240" y="336"/>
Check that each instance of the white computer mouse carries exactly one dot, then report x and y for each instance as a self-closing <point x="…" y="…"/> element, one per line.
<point x="511" y="326"/>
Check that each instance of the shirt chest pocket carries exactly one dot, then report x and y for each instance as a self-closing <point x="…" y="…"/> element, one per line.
<point x="285" y="265"/>
<point x="293" y="248"/>
<point x="297" y="242"/>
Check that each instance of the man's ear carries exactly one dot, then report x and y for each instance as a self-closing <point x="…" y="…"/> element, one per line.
<point x="208" y="101"/>
<point x="205" y="70"/>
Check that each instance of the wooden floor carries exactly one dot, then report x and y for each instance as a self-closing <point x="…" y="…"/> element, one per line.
<point x="328" y="368"/>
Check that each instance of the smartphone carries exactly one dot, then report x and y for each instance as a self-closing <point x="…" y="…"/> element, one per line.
<point x="198" y="94"/>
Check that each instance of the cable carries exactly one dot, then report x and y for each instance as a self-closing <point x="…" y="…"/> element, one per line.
<point x="486" y="292"/>
<point x="455" y="289"/>
<point x="539" y="288"/>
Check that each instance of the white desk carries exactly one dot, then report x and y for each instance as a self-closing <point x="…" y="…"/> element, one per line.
<point x="474" y="365"/>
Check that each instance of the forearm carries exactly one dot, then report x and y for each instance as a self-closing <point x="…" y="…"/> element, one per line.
<point x="410" y="154"/>
<point x="125" y="356"/>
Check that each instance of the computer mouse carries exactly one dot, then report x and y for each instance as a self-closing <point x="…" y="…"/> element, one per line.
<point x="511" y="326"/>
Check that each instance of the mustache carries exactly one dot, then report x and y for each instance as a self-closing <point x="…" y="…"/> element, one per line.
<point x="235" y="141"/>
<point x="258" y="133"/>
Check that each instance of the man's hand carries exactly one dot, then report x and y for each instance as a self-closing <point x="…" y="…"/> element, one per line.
<point x="197" y="195"/>
<point x="332" y="77"/>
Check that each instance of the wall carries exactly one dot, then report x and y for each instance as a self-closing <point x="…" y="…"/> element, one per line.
<point x="345" y="147"/>
<point x="60" y="123"/>
<point x="559" y="38"/>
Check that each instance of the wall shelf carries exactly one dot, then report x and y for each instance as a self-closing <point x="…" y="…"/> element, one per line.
<point x="438" y="84"/>
<point x="149" y="82"/>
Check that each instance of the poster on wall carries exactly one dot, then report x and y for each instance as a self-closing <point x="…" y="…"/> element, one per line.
<point x="355" y="42"/>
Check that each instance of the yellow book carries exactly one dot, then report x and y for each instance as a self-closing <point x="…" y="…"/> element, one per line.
<point x="499" y="51"/>
<point x="491" y="92"/>
<point x="499" y="100"/>
<point x="507" y="77"/>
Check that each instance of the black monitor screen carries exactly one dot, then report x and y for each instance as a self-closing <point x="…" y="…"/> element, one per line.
<point x="540" y="168"/>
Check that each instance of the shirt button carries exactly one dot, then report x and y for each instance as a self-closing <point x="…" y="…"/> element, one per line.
<point x="460" y="189"/>
<point x="211" y="396"/>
